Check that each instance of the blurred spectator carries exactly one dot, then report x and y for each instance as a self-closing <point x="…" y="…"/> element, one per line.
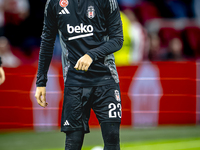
<point x="13" y="11"/>
<point x="174" y="51"/>
<point x="138" y="38"/>
<point x="16" y="12"/>
<point x="122" y="57"/>
<point x="9" y="60"/>
<point x="2" y="74"/>
<point x="32" y="27"/>
<point x="166" y="34"/>
<point x="154" y="50"/>
<point x="12" y="14"/>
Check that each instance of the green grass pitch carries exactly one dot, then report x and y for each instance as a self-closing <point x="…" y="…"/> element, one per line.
<point x="181" y="144"/>
<point x="161" y="138"/>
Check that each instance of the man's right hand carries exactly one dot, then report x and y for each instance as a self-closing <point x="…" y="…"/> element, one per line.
<point x="2" y="76"/>
<point x="40" y="95"/>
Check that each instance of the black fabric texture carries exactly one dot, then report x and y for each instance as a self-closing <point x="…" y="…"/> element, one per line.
<point x="79" y="101"/>
<point x="110" y="133"/>
<point x="74" y="140"/>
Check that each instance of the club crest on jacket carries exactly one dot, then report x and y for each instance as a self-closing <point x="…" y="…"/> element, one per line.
<point x="91" y="12"/>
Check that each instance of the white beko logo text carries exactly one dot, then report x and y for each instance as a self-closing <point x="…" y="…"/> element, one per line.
<point x="80" y="29"/>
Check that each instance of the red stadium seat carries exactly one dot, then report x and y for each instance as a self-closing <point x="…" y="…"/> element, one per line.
<point x="191" y="36"/>
<point x="146" y="11"/>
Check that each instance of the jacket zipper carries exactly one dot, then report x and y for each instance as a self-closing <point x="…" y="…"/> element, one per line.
<point x="78" y="3"/>
<point x="78" y="6"/>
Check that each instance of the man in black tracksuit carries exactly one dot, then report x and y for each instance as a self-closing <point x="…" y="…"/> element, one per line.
<point x="90" y="32"/>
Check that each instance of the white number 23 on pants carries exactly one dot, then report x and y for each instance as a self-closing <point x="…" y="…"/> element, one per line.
<point x="113" y="113"/>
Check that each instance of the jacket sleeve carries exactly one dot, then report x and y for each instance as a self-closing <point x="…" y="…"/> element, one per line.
<point x="114" y="31"/>
<point x="47" y="43"/>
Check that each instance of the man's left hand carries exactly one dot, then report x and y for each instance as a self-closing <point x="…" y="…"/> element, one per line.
<point x="84" y="63"/>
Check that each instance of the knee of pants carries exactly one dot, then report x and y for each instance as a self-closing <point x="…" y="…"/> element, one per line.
<point x="74" y="140"/>
<point x="110" y="132"/>
<point x="112" y="137"/>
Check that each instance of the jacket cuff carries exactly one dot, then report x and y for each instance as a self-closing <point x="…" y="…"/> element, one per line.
<point x="41" y="81"/>
<point x="94" y="58"/>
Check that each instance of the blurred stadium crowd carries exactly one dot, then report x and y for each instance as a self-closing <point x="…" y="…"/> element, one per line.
<point x="155" y="30"/>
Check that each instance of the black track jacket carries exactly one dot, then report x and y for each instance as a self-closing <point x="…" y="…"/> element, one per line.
<point x="90" y="27"/>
